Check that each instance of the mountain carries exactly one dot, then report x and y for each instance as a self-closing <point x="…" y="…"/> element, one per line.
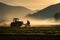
<point x="46" y="13"/>
<point x="8" y="11"/>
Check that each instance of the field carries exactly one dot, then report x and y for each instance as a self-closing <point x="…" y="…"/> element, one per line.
<point x="53" y="30"/>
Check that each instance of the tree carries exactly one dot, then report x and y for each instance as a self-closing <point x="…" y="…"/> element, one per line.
<point x="57" y="16"/>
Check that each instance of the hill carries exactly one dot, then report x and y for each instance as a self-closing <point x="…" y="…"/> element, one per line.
<point x="8" y="11"/>
<point x="46" y="13"/>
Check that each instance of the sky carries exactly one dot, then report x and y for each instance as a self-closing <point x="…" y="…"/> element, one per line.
<point x="31" y="4"/>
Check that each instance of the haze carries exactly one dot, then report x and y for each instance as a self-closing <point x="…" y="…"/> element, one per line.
<point x="33" y="5"/>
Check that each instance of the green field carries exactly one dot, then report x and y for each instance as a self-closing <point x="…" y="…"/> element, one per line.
<point x="31" y="30"/>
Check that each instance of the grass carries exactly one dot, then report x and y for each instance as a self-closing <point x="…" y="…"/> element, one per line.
<point x="31" y="30"/>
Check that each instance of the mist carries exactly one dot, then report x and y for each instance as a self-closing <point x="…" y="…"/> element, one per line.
<point x="46" y="22"/>
<point x="33" y="22"/>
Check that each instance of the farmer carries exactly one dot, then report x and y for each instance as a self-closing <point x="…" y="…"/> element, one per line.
<point x="27" y="24"/>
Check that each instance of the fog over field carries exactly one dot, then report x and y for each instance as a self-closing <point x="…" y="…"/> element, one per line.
<point x="38" y="12"/>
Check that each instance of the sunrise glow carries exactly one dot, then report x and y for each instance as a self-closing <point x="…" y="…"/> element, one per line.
<point x="31" y="4"/>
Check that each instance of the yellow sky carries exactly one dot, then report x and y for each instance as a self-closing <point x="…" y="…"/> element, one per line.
<point x="32" y="4"/>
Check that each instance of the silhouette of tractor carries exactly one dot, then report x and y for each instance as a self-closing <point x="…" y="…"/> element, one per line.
<point x="16" y="23"/>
